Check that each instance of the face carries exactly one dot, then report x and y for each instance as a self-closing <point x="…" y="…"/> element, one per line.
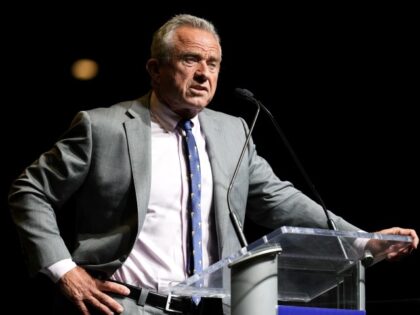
<point x="187" y="82"/>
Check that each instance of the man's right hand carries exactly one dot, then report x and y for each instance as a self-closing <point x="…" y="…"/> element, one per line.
<point x="82" y="289"/>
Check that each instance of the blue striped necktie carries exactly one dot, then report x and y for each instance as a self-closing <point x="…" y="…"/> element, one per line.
<point x="193" y="165"/>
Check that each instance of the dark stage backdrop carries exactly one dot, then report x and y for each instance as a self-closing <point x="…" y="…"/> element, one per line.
<point x="342" y="82"/>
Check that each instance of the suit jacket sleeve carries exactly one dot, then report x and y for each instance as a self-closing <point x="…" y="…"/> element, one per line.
<point x="43" y="188"/>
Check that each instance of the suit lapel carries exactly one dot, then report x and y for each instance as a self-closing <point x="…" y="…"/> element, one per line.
<point x="139" y="146"/>
<point x="221" y="175"/>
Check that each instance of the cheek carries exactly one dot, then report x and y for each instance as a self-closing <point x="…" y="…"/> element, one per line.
<point x="183" y="76"/>
<point x="213" y="80"/>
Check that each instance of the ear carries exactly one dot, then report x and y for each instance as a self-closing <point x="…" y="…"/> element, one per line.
<point x="153" y="67"/>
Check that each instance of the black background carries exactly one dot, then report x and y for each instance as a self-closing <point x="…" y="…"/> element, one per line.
<point x="342" y="82"/>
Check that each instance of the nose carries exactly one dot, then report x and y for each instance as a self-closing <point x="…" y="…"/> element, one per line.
<point x="202" y="72"/>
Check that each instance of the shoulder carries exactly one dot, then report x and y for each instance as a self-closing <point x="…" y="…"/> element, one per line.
<point x="220" y="116"/>
<point x="103" y="121"/>
<point x="119" y="112"/>
<point x="223" y="120"/>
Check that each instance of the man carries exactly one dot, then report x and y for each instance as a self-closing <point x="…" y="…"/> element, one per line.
<point x="123" y="170"/>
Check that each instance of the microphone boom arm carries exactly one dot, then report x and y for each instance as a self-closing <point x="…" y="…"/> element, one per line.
<point x="233" y="215"/>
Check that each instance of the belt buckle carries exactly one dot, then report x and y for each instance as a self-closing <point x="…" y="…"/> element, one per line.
<point x="168" y="304"/>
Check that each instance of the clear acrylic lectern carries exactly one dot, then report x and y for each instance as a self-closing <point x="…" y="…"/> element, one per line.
<point x="293" y="265"/>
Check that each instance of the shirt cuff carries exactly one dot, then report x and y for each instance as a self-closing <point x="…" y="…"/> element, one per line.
<point x="359" y="244"/>
<point x="58" y="269"/>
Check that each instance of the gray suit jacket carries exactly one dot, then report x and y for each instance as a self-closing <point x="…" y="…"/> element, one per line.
<point x="101" y="167"/>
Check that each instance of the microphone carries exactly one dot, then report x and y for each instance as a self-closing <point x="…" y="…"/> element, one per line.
<point x="233" y="215"/>
<point x="250" y="97"/>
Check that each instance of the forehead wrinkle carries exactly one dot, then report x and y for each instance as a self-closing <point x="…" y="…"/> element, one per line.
<point x="207" y="45"/>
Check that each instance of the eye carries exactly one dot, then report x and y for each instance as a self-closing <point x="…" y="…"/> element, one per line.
<point x="189" y="60"/>
<point x="213" y="65"/>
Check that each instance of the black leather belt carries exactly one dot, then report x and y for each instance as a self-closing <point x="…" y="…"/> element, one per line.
<point x="169" y="303"/>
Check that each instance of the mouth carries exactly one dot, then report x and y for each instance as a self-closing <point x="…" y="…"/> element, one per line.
<point x="199" y="89"/>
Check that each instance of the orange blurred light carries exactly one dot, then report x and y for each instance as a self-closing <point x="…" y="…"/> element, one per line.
<point x="84" y="69"/>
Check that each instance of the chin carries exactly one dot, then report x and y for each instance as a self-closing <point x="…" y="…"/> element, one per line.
<point x="199" y="102"/>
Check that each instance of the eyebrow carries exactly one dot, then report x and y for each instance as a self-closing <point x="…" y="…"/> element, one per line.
<point x="199" y="56"/>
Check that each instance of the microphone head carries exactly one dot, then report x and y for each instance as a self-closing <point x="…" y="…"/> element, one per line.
<point x="244" y="93"/>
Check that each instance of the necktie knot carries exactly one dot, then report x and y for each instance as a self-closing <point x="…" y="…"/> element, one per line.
<point x="186" y="124"/>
